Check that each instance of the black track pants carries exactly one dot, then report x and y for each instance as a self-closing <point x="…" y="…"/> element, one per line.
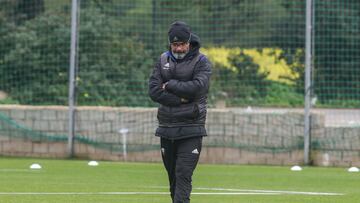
<point x="180" y="158"/>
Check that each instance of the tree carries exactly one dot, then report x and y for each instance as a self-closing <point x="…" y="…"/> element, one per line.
<point x="35" y="68"/>
<point x="244" y="84"/>
<point x="337" y="62"/>
<point x="19" y="11"/>
<point x="113" y="67"/>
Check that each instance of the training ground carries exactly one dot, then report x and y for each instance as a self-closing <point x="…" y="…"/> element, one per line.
<point x="75" y="181"/>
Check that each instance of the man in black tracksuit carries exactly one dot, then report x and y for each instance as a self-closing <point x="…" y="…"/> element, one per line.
<point x="180" y="83"/>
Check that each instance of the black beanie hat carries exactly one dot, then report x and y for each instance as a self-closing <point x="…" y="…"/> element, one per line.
<point x="179" y="32"/>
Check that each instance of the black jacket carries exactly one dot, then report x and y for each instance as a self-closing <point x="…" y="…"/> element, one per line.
<point x="186" y="79"/>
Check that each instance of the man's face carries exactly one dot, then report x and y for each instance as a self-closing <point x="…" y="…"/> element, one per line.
<point x="180" y="49"/>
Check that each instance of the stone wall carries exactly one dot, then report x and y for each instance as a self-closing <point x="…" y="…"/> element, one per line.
<point x="234" y="137"/>
<point x="336" y="146"/>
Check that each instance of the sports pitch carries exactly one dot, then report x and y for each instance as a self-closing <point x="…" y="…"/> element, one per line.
<point x="75" y="181"/>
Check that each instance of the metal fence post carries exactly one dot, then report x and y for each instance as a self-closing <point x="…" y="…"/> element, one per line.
<point x="308" y="59"/>
<point x="72" y="75"/>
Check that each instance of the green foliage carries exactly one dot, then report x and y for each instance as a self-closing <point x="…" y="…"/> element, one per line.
<point x="247" y="74"/>
<point x="283" y="95"/>
<point x="113" y="67"/>
<point x="19" y="11"/>
<point x="348" y="103"/>
<point x="8" y="101"/>
<point x="240" y="86"/>
<point x="226" y="23"/>
<point x="234" y="22"/>
<point x="295" y="58"/>
<point x="120" y="39"/>
<point x="246" y="85"/>
<point x="35" y="68"/>
<point x="337" y="60"/>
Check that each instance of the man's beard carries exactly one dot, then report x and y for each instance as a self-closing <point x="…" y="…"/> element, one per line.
<point x="179" y="55"/>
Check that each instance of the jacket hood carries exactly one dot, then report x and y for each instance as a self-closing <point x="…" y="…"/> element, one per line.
<point x="194" y="43"/>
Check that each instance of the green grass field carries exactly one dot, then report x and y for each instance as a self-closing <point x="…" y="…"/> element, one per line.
<point x="75" y="181"/>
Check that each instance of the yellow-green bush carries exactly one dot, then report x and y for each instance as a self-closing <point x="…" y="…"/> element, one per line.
<point x="268" y="59"/>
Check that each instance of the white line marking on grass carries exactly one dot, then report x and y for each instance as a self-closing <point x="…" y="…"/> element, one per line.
<point x="193" y="193"/>
<point x="272" y="191"/>
<point x="16" y="170"/>
<point x="133" y="193"/>
<point x="234" y="193"/>
<point x="244" y="192"/>
<point x="83" y="193"/>
<point x="263" y="191"/>
<point x="231" y="191"/>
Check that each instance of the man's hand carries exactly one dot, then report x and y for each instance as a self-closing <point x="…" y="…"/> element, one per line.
<point x="184" y="100"/>
<point x="164" y="85"/>
<point x="181" y="99"/>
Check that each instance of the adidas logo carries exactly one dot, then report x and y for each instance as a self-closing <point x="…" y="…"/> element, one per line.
<point x="195" y="151"/>
<point x="162" y="150"/>
<point x="166" y="66"/>
<point x="175" y="38"/>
